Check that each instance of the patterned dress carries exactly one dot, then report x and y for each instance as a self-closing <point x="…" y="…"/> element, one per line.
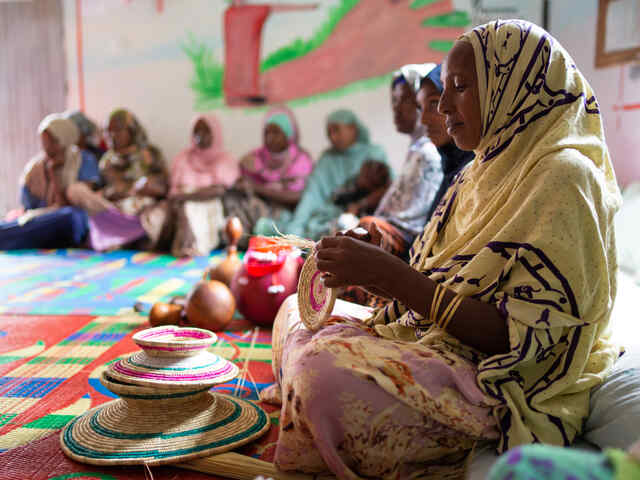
<point x="410" y="197"/>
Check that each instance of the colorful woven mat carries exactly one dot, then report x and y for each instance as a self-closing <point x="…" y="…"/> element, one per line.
<point x="49" y="369"/>
<point x="82" y="282"/>
<point x="44" y="460"/>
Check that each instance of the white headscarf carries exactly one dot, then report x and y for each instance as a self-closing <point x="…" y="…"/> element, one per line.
<point x="65" y="131"/>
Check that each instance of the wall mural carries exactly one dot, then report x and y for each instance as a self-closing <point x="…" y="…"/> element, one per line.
<point x="357" y="46"/>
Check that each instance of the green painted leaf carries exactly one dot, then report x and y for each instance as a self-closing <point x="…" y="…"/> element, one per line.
<point x="441" y="45"/>
<point x="457" y="18"/>
<point x="416" y="4"/>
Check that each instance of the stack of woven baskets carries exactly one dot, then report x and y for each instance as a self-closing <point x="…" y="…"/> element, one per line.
<point x="165" y="413"/>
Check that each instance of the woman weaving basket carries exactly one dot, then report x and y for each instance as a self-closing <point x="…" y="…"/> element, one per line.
<point x="494" y="332"/>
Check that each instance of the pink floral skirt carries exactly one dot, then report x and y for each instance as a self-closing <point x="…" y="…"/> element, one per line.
<point x="360" y="405"/>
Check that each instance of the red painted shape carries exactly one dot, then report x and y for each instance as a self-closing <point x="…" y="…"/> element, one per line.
<point x="160" y="6"/>
<point x="373" y="39"/>
<point x="242" y="39"/>
<point x="80" y="54"/>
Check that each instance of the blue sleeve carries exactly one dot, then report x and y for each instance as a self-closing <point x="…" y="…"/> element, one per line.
<point x="30" y="201"/>
<point x="89" y="171"/>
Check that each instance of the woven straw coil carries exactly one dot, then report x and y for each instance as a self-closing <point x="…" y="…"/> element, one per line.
<point x="172" y="341"/>
<point x="153" y="427"/>
<point x="315" y="300"/>
<point x="165" y="413"/>
<point x="204" y="369"/>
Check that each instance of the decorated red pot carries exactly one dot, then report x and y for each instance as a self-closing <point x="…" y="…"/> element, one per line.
<point x="269" y="274"/>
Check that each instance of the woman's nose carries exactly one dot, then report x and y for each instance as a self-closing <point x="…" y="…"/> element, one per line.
<point x="444" y="105"/>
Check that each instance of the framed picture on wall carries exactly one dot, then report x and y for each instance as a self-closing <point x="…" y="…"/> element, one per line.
<point x="618" y="32"/>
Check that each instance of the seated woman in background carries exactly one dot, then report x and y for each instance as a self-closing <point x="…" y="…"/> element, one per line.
<point x="273" y="176"/>
<point x="496" y="329"/>
<point x="431" y="164"/>
<point x="452" y="159"/>
<point x="404" y="209"/>
<point x="200" y="175"/>
<point x="89" y="139"/>
<point x="51" y="220"/>
<point x="136" y="182"/>
<point x="350" y="148"/>
<point x="427" y="172"/>
<point x="361" y="194"/>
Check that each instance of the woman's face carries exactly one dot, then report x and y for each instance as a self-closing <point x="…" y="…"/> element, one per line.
<point x="434" y="121"/>
<point x="50" y="144"/>
<point x="118" y="134"/>
<point x="405" y="108"/>
<point x="460" y="102"/>
<point x="202" y="135"/>
<point x="275" y="139"/>
<point x="342" y="135"/>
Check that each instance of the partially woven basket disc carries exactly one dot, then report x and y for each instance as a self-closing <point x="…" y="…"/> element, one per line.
<point x="154" y="427"/>
<point x="315" y="300"/>
<point x="201" y="370"/>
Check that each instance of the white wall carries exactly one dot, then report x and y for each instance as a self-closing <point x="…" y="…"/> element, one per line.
<point x="575" y="28"/>
<point x="132" y="58"/>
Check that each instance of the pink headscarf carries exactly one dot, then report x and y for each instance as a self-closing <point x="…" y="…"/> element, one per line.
<point x="195" y="168"/>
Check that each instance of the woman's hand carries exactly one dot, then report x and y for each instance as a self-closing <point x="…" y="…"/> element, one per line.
<point x="152" y="186"/>
<point x="349" y="261"/>
<point x="117" y="190"/>
<point x="353" y="208"/>
<point x="372" y="236"/>
<point x="248" y="162"/>
<point x="243" y="184"/>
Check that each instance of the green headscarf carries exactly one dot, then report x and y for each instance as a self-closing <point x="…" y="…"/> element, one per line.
<point x="315" y="213"/>
<point x="347" y="117"/>
<point x="282" y="121"/>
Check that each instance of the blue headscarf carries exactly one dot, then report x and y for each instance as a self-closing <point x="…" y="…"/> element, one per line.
<point x="434" y="76"/>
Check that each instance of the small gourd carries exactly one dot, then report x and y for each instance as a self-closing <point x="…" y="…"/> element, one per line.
<point x="210" y="305"/>
<point x="228" y="267"/>
<point x="165" y="314"/>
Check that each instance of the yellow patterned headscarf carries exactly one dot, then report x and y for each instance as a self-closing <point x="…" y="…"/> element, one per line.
<point x="528" y="227"/>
